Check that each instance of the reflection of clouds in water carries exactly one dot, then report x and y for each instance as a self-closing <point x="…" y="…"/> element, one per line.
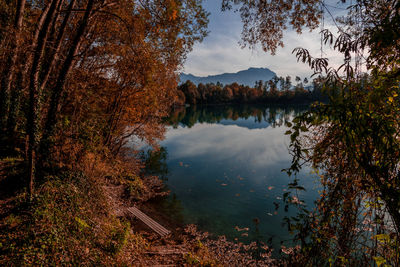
<point x="257" y="147"/>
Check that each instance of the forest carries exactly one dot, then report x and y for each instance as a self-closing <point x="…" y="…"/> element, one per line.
<point x="277" y="90"/>
<point x="80" y="78"/>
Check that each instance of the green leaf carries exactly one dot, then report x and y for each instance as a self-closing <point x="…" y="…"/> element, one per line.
<point x="304" y="129"/>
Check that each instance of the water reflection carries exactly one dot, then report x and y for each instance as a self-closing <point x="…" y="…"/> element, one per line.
<point x="250" y="116"/>
<point x="224" y="170"/>
<point x="156" y="163"/>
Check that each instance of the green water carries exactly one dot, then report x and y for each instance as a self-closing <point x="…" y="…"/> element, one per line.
<point x="224" y="170"/>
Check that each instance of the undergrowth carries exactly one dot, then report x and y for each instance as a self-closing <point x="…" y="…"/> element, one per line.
<point x="69" y="222"/>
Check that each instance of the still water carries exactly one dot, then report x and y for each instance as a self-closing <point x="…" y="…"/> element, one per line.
<point x="224" y="170"/>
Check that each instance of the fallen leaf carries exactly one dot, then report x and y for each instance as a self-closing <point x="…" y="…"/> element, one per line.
<point x="241" y="229"/>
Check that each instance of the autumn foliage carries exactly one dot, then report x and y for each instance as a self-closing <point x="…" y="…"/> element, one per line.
<point x="79" y="76"/>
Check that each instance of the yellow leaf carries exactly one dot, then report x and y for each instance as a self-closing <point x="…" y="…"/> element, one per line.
<point x="379" y="261"/>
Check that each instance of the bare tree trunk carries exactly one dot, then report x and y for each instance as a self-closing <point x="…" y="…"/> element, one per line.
<point x="34" y="103"/>
<point x="21" y="80"/>
<point x="8" y="73"/>
<point x="59" y="86"/>
<point x="48" y="68"/>
<point x="21" y="77"/>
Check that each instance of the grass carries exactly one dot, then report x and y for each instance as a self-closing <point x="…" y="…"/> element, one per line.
<point x="69" y="222"/>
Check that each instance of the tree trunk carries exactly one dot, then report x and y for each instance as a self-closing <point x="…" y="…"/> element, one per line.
<point x="8" y="72"/>
<point x="48" y="68"/>
<point x="59" y="86"/>
<point x="14" y="106"/>
<point x="34" y="94"/>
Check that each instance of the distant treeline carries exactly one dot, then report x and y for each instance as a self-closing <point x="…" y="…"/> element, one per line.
<point x="277" y="90"/>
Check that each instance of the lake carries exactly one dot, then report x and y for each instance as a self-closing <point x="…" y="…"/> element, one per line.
<point x="223" y="168"/>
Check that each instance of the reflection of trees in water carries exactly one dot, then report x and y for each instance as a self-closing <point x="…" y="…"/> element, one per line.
<point x="172" y="206"/>
<point x="275" y="115"/>
<point x="156" y="163"/>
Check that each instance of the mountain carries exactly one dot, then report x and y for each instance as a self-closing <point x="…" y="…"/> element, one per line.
<point x="246" y="77"/>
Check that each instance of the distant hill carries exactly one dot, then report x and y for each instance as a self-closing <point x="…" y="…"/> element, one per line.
<point x="246" y="77"/>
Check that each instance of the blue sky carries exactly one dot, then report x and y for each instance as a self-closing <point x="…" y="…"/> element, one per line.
<point x="220" y="51"/>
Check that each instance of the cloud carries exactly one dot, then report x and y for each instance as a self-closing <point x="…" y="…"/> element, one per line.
<point x="257" y="148"/>
<point x="220" y="52"/>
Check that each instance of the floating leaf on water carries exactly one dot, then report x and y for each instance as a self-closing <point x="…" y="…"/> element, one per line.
<point x="224" y="184"/>
<point x="295" y="200"/>
<point x="270" y="187"/>
<point x="181" y="163"/>
<point x="245" y="234"/>
<point x="278" y="198"/>
<point x="240" y="178"/>
<point x="186" y="165"/>
<point x="241" y="229"/>
<point x="269" y="213"/>
<point x="237" y="195"/>
<point x="275" y="213"/>
<point x="251" y="191"/>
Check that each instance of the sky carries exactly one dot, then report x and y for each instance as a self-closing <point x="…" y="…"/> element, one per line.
<point x="220" y="52"/>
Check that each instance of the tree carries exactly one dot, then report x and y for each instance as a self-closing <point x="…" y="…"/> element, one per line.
<point x="190" y="91"/>
<point x="96" y="73"/>
<point x="265" y="21"/>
